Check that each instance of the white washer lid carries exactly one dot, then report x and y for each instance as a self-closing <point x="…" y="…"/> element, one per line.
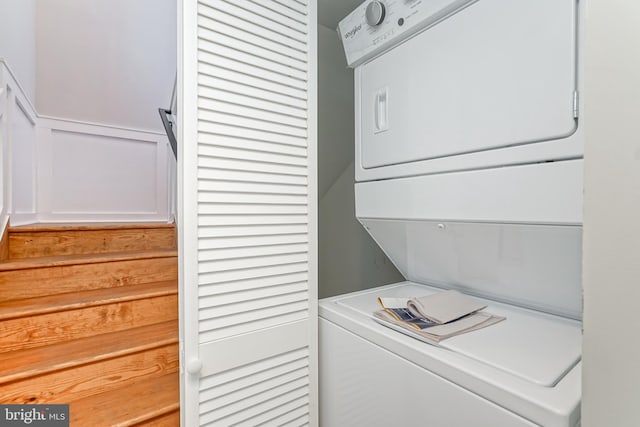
<point x="534" y="346"/>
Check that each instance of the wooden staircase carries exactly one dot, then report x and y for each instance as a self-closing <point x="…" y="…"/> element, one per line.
<point x="89" y="317"/>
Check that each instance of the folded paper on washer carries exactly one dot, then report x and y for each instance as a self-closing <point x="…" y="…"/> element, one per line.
<point x="435" y="317"/>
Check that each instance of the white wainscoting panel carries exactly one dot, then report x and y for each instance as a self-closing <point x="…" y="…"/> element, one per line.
<point x="94" y="173"/>
<point x="4" y="154"/>
<point x="23" y="165"/>
<point x="18" y="133"/>
<point x="59" y="170"/>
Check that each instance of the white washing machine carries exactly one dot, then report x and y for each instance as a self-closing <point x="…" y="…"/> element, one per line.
<point x="523" y="371"/>
<point x="469" y="176"/>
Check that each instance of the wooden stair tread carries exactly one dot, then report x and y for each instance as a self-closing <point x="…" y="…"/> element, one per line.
<point x="61" y="326"/>
<point x="55" y="261"/>
<point x="30" y="228"/>
<point x="4" y="244"/>
<point x="69" y="301"/>
<point x="48" y="243"/>
<point x="21" y="364"/>
<point x="89" y="317"/>
<point x="171" y="419"/>
<point x="38" y="282"/>
<point x="132" y="405"/>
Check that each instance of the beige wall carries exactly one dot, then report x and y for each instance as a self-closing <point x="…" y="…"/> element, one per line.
<point x="611" y="374"/>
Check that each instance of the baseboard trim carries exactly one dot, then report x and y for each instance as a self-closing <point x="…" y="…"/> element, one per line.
<point x="23" y="218"/>
<point x="102" y="217"/>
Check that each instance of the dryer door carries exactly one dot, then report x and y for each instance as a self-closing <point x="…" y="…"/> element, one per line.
<point x="496" y="74"/>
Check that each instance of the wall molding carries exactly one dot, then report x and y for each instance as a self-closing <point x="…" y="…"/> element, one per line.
<point x="59" y="177"/>
<point x="4" y="62"/>
<point x="100" y="125"/>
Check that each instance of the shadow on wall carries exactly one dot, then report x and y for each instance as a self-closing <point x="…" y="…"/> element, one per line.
<point x="349" y="258"/>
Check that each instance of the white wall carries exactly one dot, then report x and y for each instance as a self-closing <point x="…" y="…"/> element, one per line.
<point x="18" y="41"/>
<point x="349" y="259"/>
<point x="611" y="354"/>
<point x="109" y="62"/>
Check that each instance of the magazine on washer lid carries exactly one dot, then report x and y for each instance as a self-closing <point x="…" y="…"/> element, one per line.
<point x="444" y="307"/>
<point x="396" y="315"/>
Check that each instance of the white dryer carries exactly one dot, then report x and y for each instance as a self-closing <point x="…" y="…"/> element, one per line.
<point x="469" y="176"/>
<point x="445" y="85"/>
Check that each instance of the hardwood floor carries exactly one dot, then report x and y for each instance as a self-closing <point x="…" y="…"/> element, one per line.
<point x="89" y="317"/>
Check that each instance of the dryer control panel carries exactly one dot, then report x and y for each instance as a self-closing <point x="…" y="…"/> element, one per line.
<point x="377" y="25"/>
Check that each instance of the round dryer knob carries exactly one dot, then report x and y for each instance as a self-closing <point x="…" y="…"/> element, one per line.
<point x="375" y="13"/>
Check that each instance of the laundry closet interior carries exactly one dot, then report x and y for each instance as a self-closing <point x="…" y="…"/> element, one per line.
<point x="450" y="146"/>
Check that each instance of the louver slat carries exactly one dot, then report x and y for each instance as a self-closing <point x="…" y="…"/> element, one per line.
<point x="251" y="133"/>
<point x="298" y="7"/>
<point x="250" y="166"/>
<point x="267" y="386"/>
<point x="222" y="27"/>
<point x="222" y="12"/>
<point x="253" y="223"/>
<point x="211" y="88"/>
<point x="219" y="106"/>
<point x="222" y="220"/>
<point x="230" y="297"/>
<point x="249" y="123"/>
<point x="250" y="187"/>
<point x="267" y="104"/>
<point x="264" y="282"/>
<point x="283" y="9"/>
<point x="225" y="209"/>
<point x="254" y="273"/>
<point x="253" y="145"/>
<point x="292" y="70"/>
<point x="264" y="50"/>
<point x="232" y="8"/>
<point x="263" y="156"/>
<point x="275" y="18"/>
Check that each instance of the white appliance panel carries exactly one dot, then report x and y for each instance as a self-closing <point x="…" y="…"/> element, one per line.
<point x="533" y="266"/>
<point x="363" y="385"/>
<point x="400" y="19"/>
<point x="512" y="346"/>
<point x="547" y="193"/>
<point x="487" y="366"/>
<point x="497" y="73"/>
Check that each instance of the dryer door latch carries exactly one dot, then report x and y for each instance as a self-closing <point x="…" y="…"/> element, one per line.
<point x="381" y="111"/>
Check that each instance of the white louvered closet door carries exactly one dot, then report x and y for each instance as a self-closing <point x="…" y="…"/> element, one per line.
<point x="247" y="94"/>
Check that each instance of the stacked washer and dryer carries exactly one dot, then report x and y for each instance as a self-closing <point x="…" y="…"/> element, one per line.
<point x="469" y="153"/>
